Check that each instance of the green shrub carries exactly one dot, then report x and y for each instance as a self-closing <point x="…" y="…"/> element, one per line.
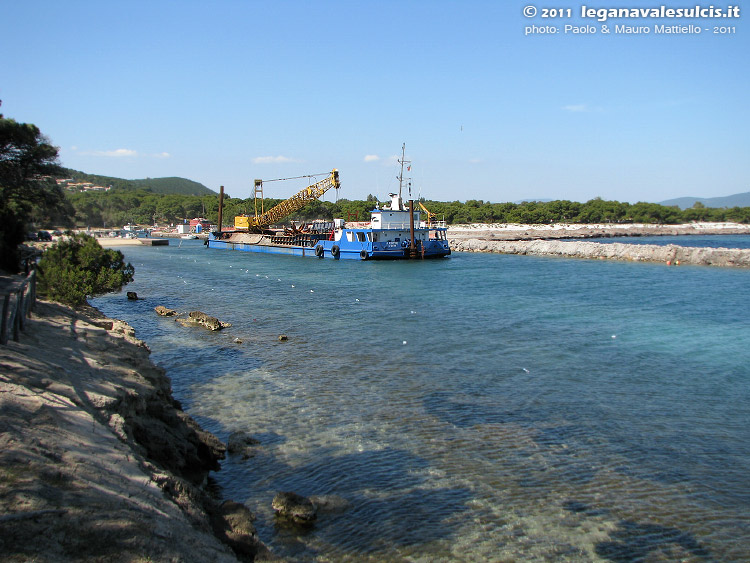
<point x="78" y="267"/>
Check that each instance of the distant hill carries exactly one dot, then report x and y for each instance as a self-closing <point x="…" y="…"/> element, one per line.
<point x="172" y="185"/>
<point x="534" y="200"/>
<point x="736" y="200"/>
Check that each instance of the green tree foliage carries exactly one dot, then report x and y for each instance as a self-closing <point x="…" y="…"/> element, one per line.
<point x="76" y="268"/>
<point x="119" y="208"/>
<point x="28" y="191"/>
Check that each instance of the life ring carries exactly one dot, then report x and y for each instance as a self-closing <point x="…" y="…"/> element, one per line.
<point x="319" y="251"/>
<point x="335" y="251"/>
<point x="363" y="254"/>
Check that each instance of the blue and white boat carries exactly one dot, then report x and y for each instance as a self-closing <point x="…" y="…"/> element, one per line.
<point x="394" y="232"/>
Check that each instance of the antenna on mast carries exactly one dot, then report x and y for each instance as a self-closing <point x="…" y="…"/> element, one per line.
<point x="401" y="176"/>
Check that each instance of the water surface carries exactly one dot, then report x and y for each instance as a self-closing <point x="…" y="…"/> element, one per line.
<point x="480" y="407"/>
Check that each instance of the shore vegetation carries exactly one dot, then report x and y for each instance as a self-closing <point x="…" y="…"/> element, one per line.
<point x="28" y="191"/>
<point x="77" y="267"/>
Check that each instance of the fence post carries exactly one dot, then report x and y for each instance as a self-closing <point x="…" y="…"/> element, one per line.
<point x="14" y="317"/>
<point x="32" y="291"/>
<point x="3" y="321"/>
<point x="18" y="316"/>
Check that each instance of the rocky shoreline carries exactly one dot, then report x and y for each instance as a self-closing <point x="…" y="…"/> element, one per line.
<point x="544" y="240"/>
<point x="97" y="460"/>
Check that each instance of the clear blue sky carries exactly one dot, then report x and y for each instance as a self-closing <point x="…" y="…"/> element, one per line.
<point x="223" y="92"/>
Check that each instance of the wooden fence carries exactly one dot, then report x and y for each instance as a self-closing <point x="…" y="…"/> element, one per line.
<point x="17" y="304"/>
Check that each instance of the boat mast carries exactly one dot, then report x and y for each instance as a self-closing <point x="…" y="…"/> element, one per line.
<point x="401" y="176"/>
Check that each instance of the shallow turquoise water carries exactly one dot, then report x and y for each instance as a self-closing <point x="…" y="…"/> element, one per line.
<point x="481" y="407"/>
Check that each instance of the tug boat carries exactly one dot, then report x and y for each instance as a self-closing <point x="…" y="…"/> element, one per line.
<point x="394" y="232"/>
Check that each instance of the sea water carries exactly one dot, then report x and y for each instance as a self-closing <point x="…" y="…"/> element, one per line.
<point x="475" y="408"/>
<point x="700" y="241"/>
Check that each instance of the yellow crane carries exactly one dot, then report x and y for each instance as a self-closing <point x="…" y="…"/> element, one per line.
<point x="288" y="206"/>
<point x="430" y="214"/>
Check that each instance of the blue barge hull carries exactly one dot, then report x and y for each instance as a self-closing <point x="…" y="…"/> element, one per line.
<point x="337" y="249"/>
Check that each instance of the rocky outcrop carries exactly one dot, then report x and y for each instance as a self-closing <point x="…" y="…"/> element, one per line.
<point x="233" y="523"/>
<point x="164" y="312"/>
<point x="211" y="323"/>
<point x="669" y="254"/>
<point x="294" y="508"/>
<point x="197" y="318"/>
<point x="97" y="460"/>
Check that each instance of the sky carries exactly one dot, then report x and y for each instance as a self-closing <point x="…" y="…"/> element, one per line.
<point x="493" y="101"/>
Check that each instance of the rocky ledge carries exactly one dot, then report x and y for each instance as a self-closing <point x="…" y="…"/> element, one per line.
<point x="97" y="460"/>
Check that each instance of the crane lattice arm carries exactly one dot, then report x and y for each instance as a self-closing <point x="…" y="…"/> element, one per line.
<point x="296" y="202"/>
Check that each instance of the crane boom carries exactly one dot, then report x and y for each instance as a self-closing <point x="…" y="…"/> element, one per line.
<point x="430" y="214"/>
<point x="289" y="206"/>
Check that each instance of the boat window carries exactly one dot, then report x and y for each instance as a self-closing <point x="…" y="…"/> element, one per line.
<point x="350" y="236"/>
<point x="369" y="237"/>
<point x="360" y="236"/>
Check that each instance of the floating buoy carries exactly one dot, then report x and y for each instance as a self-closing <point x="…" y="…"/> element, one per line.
<point x="669" y="262"/>
<point x="404" y="342"/>
<point x="614" y="336"/>
<point x="524" y="369"/>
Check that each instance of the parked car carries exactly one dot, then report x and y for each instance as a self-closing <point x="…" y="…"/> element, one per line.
<point x="44" y="236"/>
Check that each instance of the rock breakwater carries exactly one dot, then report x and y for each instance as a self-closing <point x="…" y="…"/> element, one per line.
<point x="515" y="231"/>
<point x="671" y="254"/>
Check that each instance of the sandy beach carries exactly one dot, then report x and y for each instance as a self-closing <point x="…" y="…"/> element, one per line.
<point x="111" y="242"/>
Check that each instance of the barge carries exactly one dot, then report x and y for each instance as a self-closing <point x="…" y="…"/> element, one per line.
<point x="394" y="232"/>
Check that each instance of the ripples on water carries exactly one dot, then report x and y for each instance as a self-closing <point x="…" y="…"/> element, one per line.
<point x="539" y="409"/>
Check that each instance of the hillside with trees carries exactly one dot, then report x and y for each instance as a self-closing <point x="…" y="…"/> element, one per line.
<point x="735" y="200"/>
<point x="171" y="185"/>
<point x="118" y="208"/>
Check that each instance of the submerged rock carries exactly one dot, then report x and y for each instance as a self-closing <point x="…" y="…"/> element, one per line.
<point x="241" y="443"/>
<point x="294" y="507"/>
<point x="132" y="295"/>
<point x="330" y="503"/>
